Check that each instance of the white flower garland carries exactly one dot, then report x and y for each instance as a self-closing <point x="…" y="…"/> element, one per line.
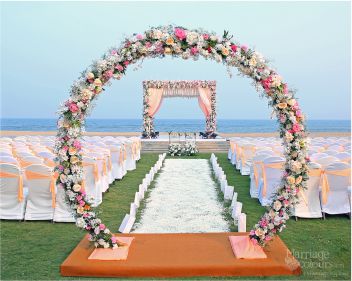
<point x="188" y="44"/>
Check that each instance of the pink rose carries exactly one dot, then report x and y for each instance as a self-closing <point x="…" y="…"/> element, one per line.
<point x="88" y="227"/>
<point x="113" y="239"/>
<point x="296" y="128"/>
<point x="81" y="203"/>
<point x="299" y="113"/>
<point x="254" y="241"/>
<point x="126" y="62"/>
<point x="77" y="144"/>
<point x="267" y="83"/>
<point x="113" y="52"/>
<point x="101" y="226"/>
<point x="148" y="44"/>
<point x="252" y="232"/>
<point x="61" y="168"/>
<point x="285" y="89"/>
<point x="85" y="215"/>
<point x="206" y="36"/>
<point x="108" y="74"/>
<point x="119" y="67"/>
<point x="267" y="238"/>
<point x="244" y="48"/>
<point x="73" y="107"/>
<point x="139" y="36"/>
<point x="194" y="51"/>
<point x="65" y="148"/>
<point x="180" y="33"/>
<point x="79" y="197"/>
<point x="234" y="48"/>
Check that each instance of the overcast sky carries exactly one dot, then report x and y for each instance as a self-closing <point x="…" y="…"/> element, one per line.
<point x="46" y="45"/>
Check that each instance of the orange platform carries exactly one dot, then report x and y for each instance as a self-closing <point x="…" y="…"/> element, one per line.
<point x="181" y="255"/>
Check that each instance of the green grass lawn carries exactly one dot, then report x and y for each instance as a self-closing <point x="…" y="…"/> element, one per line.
<point x="35" y="250"/>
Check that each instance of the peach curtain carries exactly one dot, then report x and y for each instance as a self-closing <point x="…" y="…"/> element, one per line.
<point x="204" y="101"/>
<point x="155" y="96"/>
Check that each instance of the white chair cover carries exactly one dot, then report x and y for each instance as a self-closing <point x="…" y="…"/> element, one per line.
<point x="10" y="206"/>
<point x="39" y="199"/>
<point x="273" y="177"/>
<point x="338" y="196"/>
<point x="62" y="212"/>
<point x="309" y="205"/>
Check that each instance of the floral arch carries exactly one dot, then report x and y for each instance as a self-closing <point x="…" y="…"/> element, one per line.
<point x="188" y="44"/>
<point x="155" y="91"/>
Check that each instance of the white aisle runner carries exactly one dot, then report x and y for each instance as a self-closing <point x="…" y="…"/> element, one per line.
<point x="184" y="199"/>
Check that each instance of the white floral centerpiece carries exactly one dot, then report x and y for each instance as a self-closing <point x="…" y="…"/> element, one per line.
<point x="186" y="149"/>
<point x="189" y="149"/>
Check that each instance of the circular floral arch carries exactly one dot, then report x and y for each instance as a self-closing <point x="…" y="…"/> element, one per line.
<point x="188" y="44"/>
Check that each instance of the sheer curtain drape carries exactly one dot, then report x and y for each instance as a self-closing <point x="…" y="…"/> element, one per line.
<point x="155" y="97"/>
<point x="204" y="100"/>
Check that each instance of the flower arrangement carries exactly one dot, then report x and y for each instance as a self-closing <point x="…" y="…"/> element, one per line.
<point x="190" y="149"/>
<point x="178" y="41"/>
<point x="175" y="149"/>
<point x="185" y="149"/>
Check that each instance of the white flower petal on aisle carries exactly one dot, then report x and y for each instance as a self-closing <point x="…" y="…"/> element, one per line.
<point x="184" y="200"/>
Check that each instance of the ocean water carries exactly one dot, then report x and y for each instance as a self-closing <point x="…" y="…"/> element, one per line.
<point x="176" y="125"/>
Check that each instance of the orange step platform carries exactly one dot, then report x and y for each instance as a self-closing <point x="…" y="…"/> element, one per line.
<point x="181" y="255"/>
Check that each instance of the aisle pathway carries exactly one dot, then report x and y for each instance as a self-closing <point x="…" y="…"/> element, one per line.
<point x="184" y="199"/>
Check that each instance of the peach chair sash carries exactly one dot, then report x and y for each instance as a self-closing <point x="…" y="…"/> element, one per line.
<point x="30" y="175"/>
<point x="104" y="166"/>
<point x="124" y="153"/>
<point x="277" y="166"/>
<point x="244" y="157"/>
<point x="255" y="171"/>
<point x="325" y="188"/>
<point x="232" y="146"/>
<point x="20" y="182"/>
<point x="24" y="163"/>
<point x="95" y="169"/>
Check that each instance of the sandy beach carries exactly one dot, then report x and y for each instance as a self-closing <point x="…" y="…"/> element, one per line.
<point x="130" y="134"/>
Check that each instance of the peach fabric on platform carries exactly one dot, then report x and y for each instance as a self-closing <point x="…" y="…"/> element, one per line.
<point x="155" y="96"/>
<point x="120" y="253"/>
<point x="181" y="255"/>
<point x="20" y="182"/>
<point x="30" y="175"/>
<point x="243" y="248"/>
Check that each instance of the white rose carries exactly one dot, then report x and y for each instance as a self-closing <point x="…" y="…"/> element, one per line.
<point x="80" y="223"/>
<point x="192" y="37"/>
<point x="277" y="205"/>
<point x="101" y="241"/>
